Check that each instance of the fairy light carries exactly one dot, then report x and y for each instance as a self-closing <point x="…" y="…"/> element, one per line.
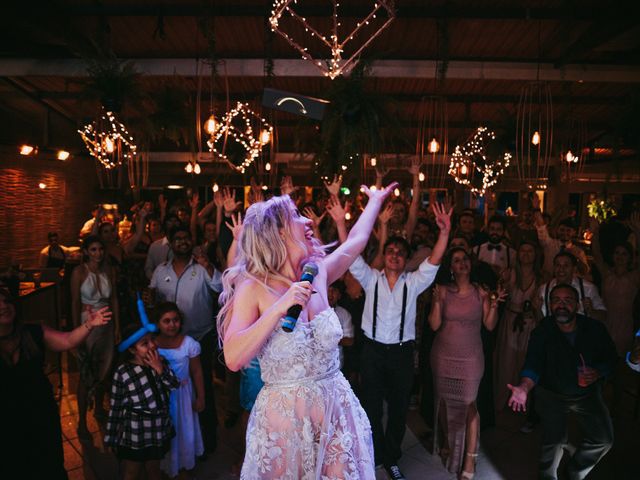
<point x="396" y="192"/>
<point x="421" y="177"/>
<point x="267" y="167"/>
<point x="237" y="126"/>
<point x="215" y="187"/>
<point x="108" y="140"/>
<point x="374" y="161"/>
<point x="347" y="216"/>
<point x="462" y="166"/>
<point x="337" y="64"/>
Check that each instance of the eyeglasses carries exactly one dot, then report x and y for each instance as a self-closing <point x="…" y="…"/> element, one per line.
<point x="564" y="301"/>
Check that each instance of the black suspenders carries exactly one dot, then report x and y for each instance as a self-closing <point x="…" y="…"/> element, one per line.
<point x="546" y="294"/>
<point x="402" y="315"/>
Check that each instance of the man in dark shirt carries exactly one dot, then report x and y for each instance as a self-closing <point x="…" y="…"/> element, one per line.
<point x="567" y="356"/>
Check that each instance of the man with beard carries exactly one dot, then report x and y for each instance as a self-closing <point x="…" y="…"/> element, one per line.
<point x="567" y="357"/>
<point x="495" y="251"/>
<point x="565" y="267"/>
<point x="188" y="281"/>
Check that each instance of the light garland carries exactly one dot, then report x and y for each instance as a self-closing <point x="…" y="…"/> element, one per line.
<point x="336" y="65"/>
<point x="463" y="166"/>
<point x="108" y="140"/>
<point x="238" y="125"/>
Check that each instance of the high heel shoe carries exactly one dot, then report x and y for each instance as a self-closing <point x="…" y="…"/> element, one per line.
<point x="464" y="475"/>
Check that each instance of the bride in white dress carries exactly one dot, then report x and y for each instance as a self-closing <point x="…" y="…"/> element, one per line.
<point x="306" y="423"/>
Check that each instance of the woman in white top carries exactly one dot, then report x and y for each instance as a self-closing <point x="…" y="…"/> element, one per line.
<point x="93" y="287"/>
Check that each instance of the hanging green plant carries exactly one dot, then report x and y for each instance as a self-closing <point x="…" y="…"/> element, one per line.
<point x="172" y="117"/>
<point x="113" y="82"/>
<point x="601" y="210"/>
<point x="357" y="122"/>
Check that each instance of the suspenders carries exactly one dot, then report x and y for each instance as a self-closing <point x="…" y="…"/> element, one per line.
<point x="375" y="311"/>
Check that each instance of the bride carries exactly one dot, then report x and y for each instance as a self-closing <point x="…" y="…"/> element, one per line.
<point x="306" y="422"/>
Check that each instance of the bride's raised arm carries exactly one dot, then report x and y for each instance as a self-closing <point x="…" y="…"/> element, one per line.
<point x="337" y="263"/>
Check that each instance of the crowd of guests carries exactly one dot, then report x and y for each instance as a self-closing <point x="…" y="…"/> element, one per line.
<point x="460" y="319"/>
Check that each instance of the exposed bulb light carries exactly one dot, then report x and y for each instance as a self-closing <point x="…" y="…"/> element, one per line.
<point x="210" y="125"/>
<point x="396" y="192"/>
<point x="26" y="150"/>
<point x="374" y="161"/>
<point x="265" y="188"/>
<point x="196" y="169"/>
<point x="463" y="170"/>
<point x="267" y="167"/>
<point x="63" y="155"/>
<point x="109" y="146"/>
<point x="570" y="157"/>
<point x="434" y="146"/>
<point x="189" y="168"/>
<point x="347" y="216"/>
<point x="344" y="167"/>
<point x="42" y="186"/>
<point x="421" y="177"/>
<point x="373" y="188"/>
<point x="215" y="188"/>
<point x="535" y="139"/>
<point x="265" y="136"/>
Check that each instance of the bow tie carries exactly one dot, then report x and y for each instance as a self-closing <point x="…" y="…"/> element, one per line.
<point x="497" y="248"/>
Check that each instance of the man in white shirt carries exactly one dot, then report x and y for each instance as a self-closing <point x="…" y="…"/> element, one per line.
<point x="160" y="250"/>
<point x="389" y="324"/>
<point x="552" y="246"/>
<point x="334" y="294"/>
<point x="565" y="267"/>
<point x="496" y="252"/>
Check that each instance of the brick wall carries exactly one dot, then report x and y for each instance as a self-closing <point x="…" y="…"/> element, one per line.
<point x="28" y="213"/>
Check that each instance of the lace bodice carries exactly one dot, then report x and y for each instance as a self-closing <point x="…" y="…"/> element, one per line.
<point x="308" y="353"/>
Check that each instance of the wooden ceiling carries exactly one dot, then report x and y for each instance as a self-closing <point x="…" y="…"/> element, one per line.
<point x="483" y="51"/>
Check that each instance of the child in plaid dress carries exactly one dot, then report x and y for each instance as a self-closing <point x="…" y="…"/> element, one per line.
<point x="139" y="428"/>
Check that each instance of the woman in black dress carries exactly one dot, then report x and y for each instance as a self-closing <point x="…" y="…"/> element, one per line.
<point x="28" y="411"/>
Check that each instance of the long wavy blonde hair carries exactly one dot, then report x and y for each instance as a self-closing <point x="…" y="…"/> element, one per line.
<point x="261" y="252"/>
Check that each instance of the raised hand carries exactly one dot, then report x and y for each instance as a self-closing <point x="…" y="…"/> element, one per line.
<point x="335" y="209"/>
<point x="442" y="217"/>
<point x="334" y="187"/>
<point x="518" y="400"/>
<point x="286" y="186"/>
<point x="235" y="226"/>
<point x="255" y="194"/>
<point x="311" y="215"/>
<point x="386" y="214"/>
<point x="229" y="200"/>
<point x="218" y="199"/>
<point x="162" y="202"/>
<point x="381" y="194"/>
<point x="194" y="200"/>
<point x="414" y="169"/>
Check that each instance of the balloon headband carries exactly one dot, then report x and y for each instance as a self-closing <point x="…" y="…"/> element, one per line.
<point x="147" y="327"/>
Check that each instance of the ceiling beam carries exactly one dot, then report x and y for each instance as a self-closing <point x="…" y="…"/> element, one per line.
<point x="463" y="70"/>
<point x="346" y="11"/>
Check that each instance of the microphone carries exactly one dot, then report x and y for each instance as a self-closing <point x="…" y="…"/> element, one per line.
<point x="309" y="271"/>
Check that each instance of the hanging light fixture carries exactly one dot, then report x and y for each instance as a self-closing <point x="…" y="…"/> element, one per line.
<point x="188" y="168"/>
<point x="196" y="169"/>
<point x="108" y="140"/>
<point x="27" y="150"/>
<point x="433" y="127"/>
<point x="265" y="136"/>
<point x="343" y="56"/>
<point x="62" y="155"/>
<point x="239" y="125"/>
<point x="535" y="140"/>
<point x="574" y="142"/>
<point x="210" y="125"/>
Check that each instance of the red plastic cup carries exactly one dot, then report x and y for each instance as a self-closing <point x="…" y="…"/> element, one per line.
<point x="582" y="381"/>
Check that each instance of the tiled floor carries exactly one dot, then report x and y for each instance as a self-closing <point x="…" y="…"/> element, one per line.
<point x="505" y="452"/>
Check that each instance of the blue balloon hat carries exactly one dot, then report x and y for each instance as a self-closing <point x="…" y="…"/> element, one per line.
<point x="147" y="327"/>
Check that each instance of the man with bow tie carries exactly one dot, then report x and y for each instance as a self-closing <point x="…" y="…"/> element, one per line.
<point x="495" y="251"/>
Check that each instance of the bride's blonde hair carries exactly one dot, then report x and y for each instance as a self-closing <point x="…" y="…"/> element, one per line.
<point x="261" y="251"/>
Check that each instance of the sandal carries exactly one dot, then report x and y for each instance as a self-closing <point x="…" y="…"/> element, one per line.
<point x="464" y="475"/>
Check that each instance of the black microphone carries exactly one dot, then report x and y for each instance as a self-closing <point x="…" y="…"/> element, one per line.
<point x="309" y="271"/>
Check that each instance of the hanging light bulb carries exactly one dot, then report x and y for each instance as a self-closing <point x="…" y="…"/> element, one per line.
<point x="569" y="157"/>
<point x="421" y="177"/>
<point x="265" y="188"/>
<point x="42" y="186"/>
<point x="210" y="125"/>
<point x="109" y="146"/>
<point x="344" y="167"/>
<point x="188" y="168"/>
<point x="347" y="216"/>
<point x="434" y="146"/>
<point x="267" y="167"/>
<point x="63" y="155"/>
<point x="196" y="169"/>
<point x="374" y="161"/>
<point x="463" y="170"/>
<point x="215" y="188"/>
<point x="535" y="139"/>
<point x="265" y="136"/>
<point x="26" y="150"/>
<point x="396" y="192"/>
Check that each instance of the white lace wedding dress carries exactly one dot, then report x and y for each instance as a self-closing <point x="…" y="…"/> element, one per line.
<point x="307" y="423"/>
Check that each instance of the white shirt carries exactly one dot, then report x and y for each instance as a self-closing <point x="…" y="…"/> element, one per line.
<point x="390" y="302"/>
<point x="159" y="252"/>
<point x="553" y="246"/>
<point x="590" y="291"/>
<point x="191" y="292"/>
<point x="505" y="258"/>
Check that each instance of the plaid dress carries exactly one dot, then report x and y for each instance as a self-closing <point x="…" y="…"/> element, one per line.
<point x="139" y="415"/>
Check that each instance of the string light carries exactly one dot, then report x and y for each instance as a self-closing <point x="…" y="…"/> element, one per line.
<point x="337" y="64"/>
<point x="237" y="126"/>
<point x="108" y="140"/>
<point x="463" y="165"/>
